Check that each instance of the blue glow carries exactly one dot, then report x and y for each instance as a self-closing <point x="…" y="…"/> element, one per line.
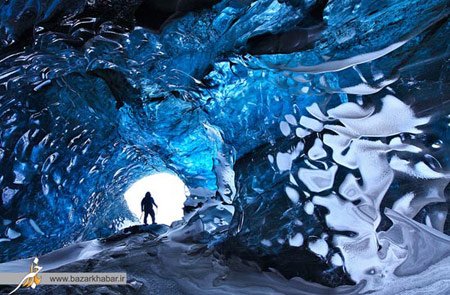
<point x="275" y="136"/>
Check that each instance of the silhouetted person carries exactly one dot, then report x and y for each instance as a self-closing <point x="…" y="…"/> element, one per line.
<point x="147" y="207"/>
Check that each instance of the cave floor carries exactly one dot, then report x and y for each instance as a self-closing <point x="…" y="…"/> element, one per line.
<point x="158" y="265"/>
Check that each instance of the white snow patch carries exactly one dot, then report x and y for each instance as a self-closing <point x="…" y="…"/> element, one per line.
<point x="318" y="180"/>
<point x="381" y="124"/>
<point x="350" y="189"/>
<point x="300" y="132"/>
<point x="309" y="208"/>
<point x="292" y="180"/>
<point x="284" y="160"/>
<point x="336" y="260"/>
<point x="365" y="89"/>
<point x="316" y="151"/>
<point x="319" y="246"/>
<point x="403" y="205"/>
<point x="292" y="194"/>
<point x="297" y="240"/>
<point x="285" y="128"/>
<point x="350" y="110"/>
<point x="419" y="170"/>
<point x="291" y="119"/>
<point x="311" y="123"/>
<point x="316" y="112"/>
<point x="337" y="65"/>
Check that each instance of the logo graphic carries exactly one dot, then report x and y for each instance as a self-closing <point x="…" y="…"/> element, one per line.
<point x="31" y="280"/>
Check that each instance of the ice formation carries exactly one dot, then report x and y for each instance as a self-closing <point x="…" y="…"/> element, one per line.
<point x="312" y="135"/>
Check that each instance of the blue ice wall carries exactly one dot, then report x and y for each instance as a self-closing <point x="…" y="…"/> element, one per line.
<point x="89" y="106"/>
<point x="323" y="123"/>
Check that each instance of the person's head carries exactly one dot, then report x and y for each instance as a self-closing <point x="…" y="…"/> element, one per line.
<point x="148" y="194"/>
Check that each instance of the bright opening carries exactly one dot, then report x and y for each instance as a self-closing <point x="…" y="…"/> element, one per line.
<point x="168" y="191"/>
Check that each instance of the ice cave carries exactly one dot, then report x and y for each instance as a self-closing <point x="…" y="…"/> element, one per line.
<point x="169" y="193"/>
<point x="303" y="144"/>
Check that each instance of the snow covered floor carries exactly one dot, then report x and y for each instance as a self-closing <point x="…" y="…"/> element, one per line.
<point x="159" y="265"/>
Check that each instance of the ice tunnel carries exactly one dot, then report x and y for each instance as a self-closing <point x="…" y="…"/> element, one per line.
<point x="168" y="191"/>
<point x="312" y="136"/>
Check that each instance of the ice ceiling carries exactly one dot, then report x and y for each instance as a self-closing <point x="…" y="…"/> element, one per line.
<point x="312" y="135"/>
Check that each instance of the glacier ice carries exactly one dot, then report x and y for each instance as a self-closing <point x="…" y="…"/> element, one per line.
<point x="313" y="135"/>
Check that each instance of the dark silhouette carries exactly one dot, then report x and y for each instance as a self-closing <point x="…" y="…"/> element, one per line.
<point x="147" y="207"/>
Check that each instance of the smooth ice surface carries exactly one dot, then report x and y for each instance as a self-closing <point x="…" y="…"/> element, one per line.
<point x="317" y="152"/>
<point x="319" y="247"/>
<point x="311" y="135"/>
<point x="317" y="180"/>
<point x="292" y="194"/>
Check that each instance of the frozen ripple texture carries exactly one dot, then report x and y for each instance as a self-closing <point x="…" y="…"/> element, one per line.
<point x="313" y="135"/>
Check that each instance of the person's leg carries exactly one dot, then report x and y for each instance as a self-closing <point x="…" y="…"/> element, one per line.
<point x="152" y="214"/>
<point x="145" y="217"/>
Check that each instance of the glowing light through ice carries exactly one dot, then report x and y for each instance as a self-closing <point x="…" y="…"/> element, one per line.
<point x="169" y="193"/>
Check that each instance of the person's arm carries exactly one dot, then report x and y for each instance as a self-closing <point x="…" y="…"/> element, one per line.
<point x="142" y="205"/>
<point x="153" y="201"/>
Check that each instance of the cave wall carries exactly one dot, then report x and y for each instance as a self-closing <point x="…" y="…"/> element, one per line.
<point x="304" y="127"/>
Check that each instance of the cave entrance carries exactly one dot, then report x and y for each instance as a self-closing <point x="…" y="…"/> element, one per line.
<point x="169" y="192"/>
